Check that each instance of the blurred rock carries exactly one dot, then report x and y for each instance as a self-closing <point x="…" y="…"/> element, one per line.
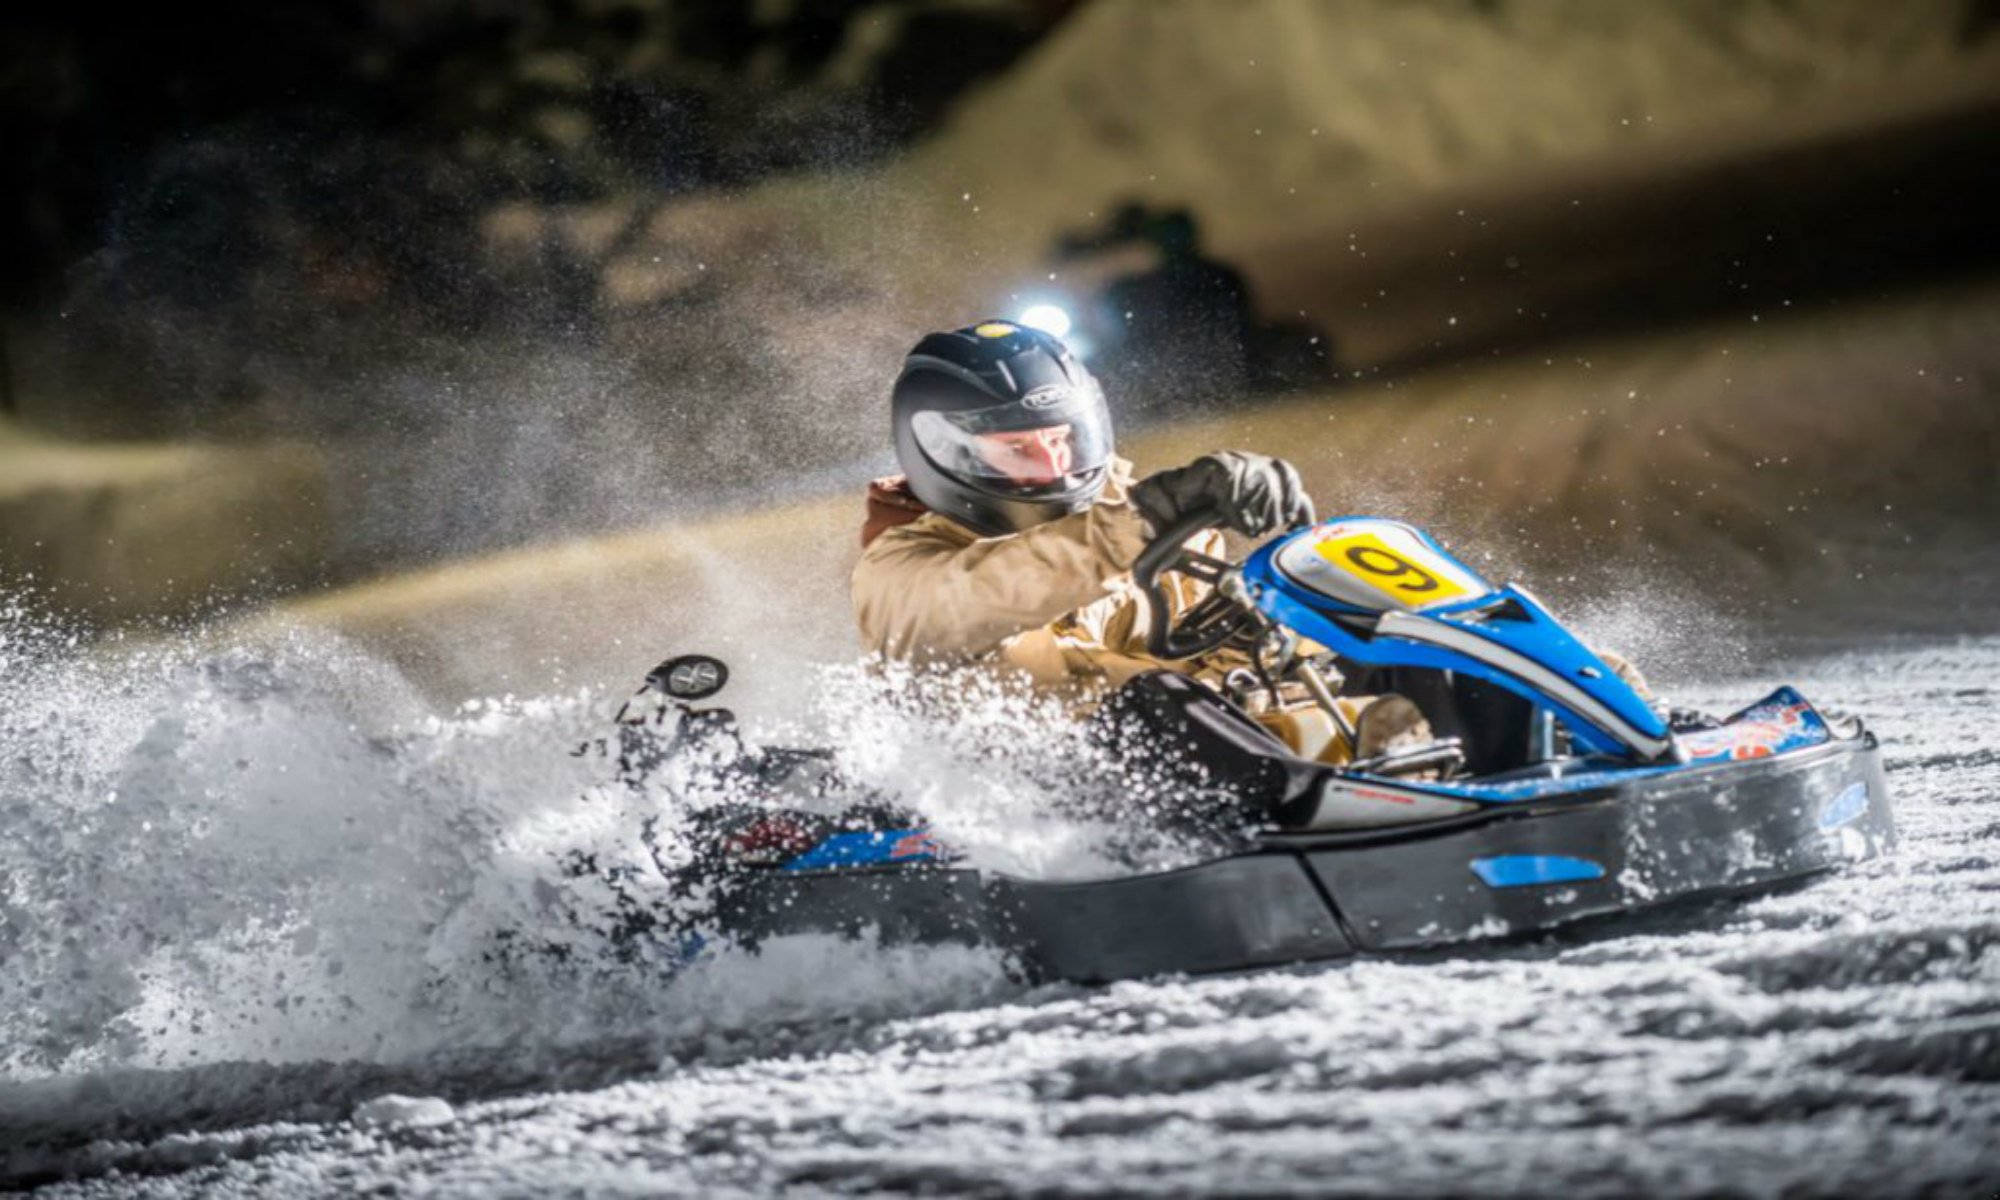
<point x="1181" y="332"/>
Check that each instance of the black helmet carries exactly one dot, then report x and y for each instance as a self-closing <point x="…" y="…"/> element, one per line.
<point x="969" y="398"/>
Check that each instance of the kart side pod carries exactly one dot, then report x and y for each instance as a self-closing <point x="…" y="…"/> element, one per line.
<point x="1646" y="839"/>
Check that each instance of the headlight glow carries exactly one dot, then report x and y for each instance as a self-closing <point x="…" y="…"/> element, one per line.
<point x="1047" y="318"/>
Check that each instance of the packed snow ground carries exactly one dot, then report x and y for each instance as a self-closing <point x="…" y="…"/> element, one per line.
<point x="213" y="987"/>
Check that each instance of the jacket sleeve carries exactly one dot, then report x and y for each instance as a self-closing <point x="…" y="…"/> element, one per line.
<point x="920" y="592"/>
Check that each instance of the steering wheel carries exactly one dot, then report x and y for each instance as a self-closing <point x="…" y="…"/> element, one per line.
<point x="1213" y="620"/>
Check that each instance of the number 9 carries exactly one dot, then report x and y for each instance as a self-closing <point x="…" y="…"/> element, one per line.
<point x="1377" y="561"/>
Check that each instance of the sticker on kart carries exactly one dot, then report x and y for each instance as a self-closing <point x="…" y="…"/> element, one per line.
<point x="1378" y="566"/>
<point x="864" y="848"/>
<point x="1782" y="723"/>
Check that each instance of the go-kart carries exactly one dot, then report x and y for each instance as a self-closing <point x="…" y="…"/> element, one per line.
<point x="1549" y="792"/>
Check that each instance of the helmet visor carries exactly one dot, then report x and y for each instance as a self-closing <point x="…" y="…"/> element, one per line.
<point x="1047" y="442"/>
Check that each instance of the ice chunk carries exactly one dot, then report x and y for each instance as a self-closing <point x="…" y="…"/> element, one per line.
<point x="404" y="1110"/>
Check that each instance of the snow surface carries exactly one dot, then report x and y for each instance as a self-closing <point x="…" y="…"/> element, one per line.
<point x="250" y="943"/>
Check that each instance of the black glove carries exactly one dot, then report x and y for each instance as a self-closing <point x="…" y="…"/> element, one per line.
<point x="1251" y="493"/>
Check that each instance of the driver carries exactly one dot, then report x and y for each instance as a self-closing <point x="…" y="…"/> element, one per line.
<point x="1010" y="537"/>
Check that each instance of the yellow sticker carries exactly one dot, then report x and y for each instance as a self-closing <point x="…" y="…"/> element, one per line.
<point x="1366" y="557"/>
<point x="994" y="329"/>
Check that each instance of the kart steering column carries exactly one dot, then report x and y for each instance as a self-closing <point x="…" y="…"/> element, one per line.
<point x="1219" y="616"/>
<point x="1168" y="550"/>
<point x="1323" y="696"/>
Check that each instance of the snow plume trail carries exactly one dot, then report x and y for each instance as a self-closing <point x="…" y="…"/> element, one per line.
<point x="1008" y="777"/>
<point x="251" y="857"/>
<point x="243" y="853"/>
<point x="279" y="852"/>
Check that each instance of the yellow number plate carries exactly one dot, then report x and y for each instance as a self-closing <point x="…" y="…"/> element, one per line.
<point x="1393" y="572"/>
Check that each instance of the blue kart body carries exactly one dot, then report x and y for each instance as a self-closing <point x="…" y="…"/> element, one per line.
<point x="1624" y="814"/>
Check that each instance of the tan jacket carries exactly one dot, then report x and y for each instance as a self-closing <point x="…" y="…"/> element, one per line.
<point x="1056" y="602"/>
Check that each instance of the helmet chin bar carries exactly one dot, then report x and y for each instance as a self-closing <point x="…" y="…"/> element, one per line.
<point x="996" y="514"/>
<point x="1086" y="484"/>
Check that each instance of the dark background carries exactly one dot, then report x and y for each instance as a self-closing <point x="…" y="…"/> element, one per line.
<point x="513" y="273"/>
